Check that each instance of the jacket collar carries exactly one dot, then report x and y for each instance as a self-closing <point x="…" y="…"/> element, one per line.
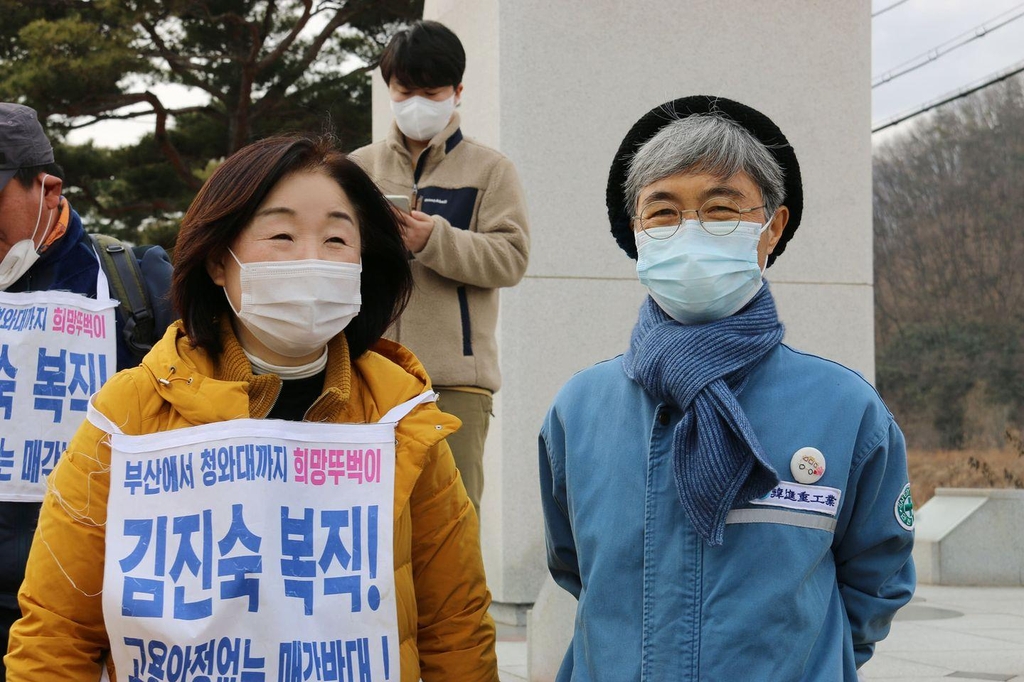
<point x="263" y="389"/>
<point x="65" y="235"/>
<point x="440" y="146"/>
<point x="205" y="389"/>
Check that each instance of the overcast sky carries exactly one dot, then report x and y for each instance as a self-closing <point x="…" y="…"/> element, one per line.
<point x="915" y="27"/>
<point x="909" y="29"/>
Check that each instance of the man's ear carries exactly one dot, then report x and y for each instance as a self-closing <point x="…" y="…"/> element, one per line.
<point x="778" y="227"/>
<point x="458" y="94"/>
<point x="52" y="187"/>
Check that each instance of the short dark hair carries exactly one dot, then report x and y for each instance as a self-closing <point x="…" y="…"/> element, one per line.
<point x="427" y="55"/>
<point x="225" y="205"/>
<point x="27" y="175"/>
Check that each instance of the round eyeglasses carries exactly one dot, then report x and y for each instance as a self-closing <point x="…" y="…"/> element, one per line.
<point x="718" y="216"/>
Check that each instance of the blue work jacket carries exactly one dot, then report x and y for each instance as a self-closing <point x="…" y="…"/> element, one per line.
<point x="807" y="579"/>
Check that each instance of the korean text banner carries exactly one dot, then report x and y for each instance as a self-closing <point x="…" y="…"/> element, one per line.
<point x="56" y="350"/>
<point x="252" y="550"/>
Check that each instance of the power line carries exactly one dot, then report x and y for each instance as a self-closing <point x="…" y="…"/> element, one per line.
<point x="979" y="31"/>
<point x="950" y="97"/>
<point x="886" y="9"/>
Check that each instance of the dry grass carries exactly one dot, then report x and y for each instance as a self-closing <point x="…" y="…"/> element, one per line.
<point x="978" y="468"/>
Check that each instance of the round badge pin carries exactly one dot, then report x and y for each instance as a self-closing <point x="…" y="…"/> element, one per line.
<point x="807" y="465"/>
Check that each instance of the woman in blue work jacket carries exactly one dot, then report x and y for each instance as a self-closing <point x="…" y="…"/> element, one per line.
<point x="724" y="507"/>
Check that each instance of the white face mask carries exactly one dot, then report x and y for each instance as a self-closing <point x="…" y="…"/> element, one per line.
<point x="420" y="118"/>
<point x="25" y="253"/>
<point x="295" y="307"/>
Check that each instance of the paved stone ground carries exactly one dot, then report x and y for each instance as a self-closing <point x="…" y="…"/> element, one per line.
<point x="945" y="634"/>
<point x="954" y="633"/>
<point x="512" y="653"/>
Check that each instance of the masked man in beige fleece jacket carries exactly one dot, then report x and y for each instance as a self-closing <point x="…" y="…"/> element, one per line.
<point x="466" y="231"/>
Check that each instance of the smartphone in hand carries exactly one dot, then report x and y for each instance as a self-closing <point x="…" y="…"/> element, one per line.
<point x="399" y="201"/>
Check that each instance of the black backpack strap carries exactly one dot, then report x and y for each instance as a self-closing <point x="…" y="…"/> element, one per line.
<point x="127" y="286"/>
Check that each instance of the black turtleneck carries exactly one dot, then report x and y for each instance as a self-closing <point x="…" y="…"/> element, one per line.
<point x="297" y="396"/>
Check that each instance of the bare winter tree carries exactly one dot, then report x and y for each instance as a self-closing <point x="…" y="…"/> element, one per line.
<point x="948" y="211"/>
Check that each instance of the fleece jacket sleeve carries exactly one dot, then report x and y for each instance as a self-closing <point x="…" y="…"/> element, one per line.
<point x="493" y="255"/>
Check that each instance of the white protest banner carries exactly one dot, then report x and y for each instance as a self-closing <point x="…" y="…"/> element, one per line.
<point x="56" y="350"/>
<point x="252" y="550"/>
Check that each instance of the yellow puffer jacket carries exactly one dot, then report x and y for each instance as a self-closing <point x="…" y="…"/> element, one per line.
<point x="445" y="630"/>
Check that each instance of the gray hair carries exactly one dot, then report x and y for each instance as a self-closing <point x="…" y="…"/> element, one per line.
<point x="705" y="143"/>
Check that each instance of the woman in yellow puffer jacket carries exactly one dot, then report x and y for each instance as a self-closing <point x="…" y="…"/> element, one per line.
<point x="245" y="348"/>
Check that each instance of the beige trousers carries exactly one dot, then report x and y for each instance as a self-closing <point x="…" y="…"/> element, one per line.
<point x="467" y="444"/>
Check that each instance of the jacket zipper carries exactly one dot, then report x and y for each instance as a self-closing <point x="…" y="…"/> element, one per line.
<point x="280" y="387"/>
<point x="421" y="164"/>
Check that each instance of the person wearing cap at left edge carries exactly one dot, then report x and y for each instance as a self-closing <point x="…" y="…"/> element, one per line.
<point x="43" y="250"/>
<point x="723" y="506"/>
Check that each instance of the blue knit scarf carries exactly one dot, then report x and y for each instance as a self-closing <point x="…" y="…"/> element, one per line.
<point x="701" y="368"/>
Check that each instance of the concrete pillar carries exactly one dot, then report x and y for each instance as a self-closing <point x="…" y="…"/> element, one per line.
<point x="555" y="86"/>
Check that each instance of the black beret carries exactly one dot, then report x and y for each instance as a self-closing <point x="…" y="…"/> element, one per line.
<point x="759" y="125"/>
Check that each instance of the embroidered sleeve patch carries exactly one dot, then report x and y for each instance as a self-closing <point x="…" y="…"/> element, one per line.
<point x="905" y="509"/>
<point x="816" y="498"/>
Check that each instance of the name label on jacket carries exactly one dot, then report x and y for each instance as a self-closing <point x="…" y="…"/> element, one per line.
<point x="816" y="498"/>
<point x="273" y="539"/>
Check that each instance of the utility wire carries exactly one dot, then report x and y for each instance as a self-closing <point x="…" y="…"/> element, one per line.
<point x="886" y="9"/>
<point x="979" y="31"/>
<point x="950" y="97"/>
